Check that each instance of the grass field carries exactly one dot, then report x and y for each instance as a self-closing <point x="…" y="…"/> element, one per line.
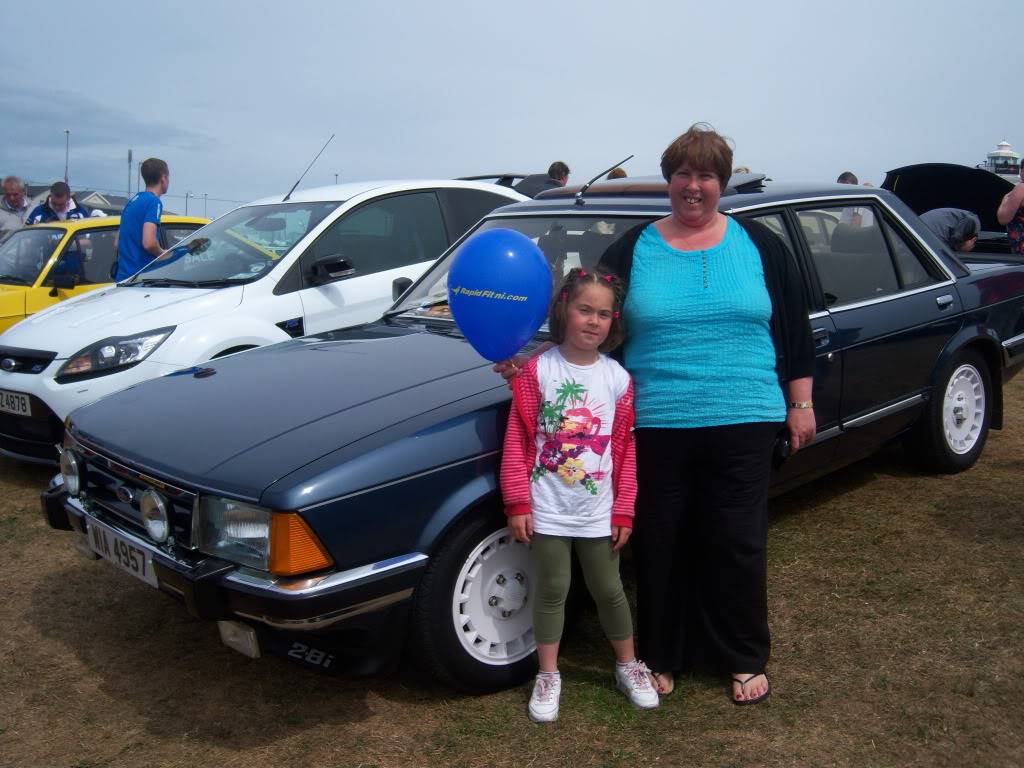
<point x="897" y="605"/>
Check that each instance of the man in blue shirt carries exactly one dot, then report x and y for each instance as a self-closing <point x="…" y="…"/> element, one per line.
<point x="138" y="241"/>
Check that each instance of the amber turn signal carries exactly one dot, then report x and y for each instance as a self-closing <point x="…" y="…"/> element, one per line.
<point x="294" y="549"/>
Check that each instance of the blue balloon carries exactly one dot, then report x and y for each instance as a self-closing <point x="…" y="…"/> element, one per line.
<point x="499" y="288"/>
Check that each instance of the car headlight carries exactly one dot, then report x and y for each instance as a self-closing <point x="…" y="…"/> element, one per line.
<point x="71" y="472"/>
<point x="154" y="515"/>
<point x="110" y="355"/>
<point x="234" y="530"/>
<point x="279" y="542"/>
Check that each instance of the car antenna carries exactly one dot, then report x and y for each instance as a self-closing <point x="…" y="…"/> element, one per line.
<point x="585" y="187"/>
<point x="307" y="169"/>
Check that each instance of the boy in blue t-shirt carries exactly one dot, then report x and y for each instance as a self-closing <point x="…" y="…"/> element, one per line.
<point x="138" y="240"/>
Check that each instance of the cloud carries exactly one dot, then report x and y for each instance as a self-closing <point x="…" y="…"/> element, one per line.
<point x="35" y="119"/>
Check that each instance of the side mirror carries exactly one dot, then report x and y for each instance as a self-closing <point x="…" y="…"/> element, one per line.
<point x="399" y="286"/>
<point x="63" y="283"/>
<point x="327" y="269"/>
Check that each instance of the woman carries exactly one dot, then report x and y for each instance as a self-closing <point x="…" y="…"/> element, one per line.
<point x="720" y="348"/>
<point x="957" y="228"/>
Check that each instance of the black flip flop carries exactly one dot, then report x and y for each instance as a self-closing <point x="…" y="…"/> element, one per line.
<point x="760" y="698"/>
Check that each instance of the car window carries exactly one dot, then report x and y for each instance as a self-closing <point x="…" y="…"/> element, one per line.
<point x="87" y="256"/>
<point x="25" y="253"/>
<point x="465" y="207"/>
<point x="912" y="270"/>
<point x="175" y="233"/>
<point x="853" y="263"/>
<point x="384" y="234"/>
<point x="565" y="241"/>
<point x="776" y="224"/>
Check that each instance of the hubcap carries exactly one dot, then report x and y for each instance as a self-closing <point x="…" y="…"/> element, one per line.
<point x="493" y="599"/>
<point x="963" y="409"/>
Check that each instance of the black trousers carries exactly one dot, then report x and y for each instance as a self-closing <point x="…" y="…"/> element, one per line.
<point x="700" y="546"/>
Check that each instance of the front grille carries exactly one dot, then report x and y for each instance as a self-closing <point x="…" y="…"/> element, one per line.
<point x="34" y="435"/>
<point x="30" y="361"/>
<point x="102" y="477"/>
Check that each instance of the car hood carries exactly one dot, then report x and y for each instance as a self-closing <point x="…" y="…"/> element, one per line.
<point x="943" y="185"/>
<point x="12" y="301"/>
<point x="70" y="325"/>
<point x="243" y="422"/>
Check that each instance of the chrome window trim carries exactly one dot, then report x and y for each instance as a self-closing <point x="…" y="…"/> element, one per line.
<point x="312" y="586"/>
<point x="890" y="297"/>
<point x="388" y="484"/>
<point x="881" y="413"/>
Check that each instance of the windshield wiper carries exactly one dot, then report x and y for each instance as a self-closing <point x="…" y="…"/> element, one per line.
<point x="221" y="282"/>
<point x="15" y="278"/>
<point x="402" y="310"/>
<point x="163" y="282"/>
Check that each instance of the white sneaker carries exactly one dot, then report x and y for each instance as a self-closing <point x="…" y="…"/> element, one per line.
<point x="633" y="679"/>
<point x="547" y="689"/>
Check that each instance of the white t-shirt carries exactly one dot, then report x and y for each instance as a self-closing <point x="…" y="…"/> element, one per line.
<point x="571" y="490"/>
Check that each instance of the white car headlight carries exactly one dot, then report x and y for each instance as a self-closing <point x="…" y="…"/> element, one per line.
<point x="110" y="355"/>
<point x="234" y="530"/>
<point x="154" y="515"/>
<point x="71" y="472"/>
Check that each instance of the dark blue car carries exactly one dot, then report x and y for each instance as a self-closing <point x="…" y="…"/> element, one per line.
<point x="336" y="496"/>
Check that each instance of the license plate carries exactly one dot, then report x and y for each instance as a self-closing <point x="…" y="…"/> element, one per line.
<point x="121" y="552"/>
<point x="15" y="402"/>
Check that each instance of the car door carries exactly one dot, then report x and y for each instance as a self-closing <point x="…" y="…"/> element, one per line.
<point x="346" y="274"/>
<point x="894" y="308"/>
<point x="827" y="388"/>
<point x="85" y="257"/>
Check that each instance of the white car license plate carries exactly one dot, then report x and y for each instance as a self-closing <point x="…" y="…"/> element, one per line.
<point x="121" y="552"/>
<point x="15" y="402"/>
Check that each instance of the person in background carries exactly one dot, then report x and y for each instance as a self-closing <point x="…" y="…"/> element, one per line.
<point x="1011" y="215"/>
<point x="957" y="228"/>
<point x="59" y="206"/>
<point x="138" y="239"/>
<point x="740" y="169"/>
<point x="568" y="478"/>
<point x="857" y="217"/>
<point x="616" y="173"/>
<point x="533" y="185"/>
<point x="14" y="207"/>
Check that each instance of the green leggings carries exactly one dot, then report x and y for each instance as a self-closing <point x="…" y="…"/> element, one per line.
<point x="553" y="560"/>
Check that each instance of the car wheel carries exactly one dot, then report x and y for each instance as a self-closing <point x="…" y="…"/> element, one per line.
<point x="473" y="610"/>
<point x="953" y="432"/>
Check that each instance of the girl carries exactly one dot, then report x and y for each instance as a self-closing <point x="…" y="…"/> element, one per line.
<point x="568" y="477"/>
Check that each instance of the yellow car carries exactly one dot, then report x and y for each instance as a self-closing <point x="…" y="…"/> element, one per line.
<point x="46" y="263"/>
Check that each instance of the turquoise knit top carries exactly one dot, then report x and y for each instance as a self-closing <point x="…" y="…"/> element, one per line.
<point x="699" y="346"/>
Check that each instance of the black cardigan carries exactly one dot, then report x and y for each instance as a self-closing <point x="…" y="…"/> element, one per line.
<point x="790" y="328"/>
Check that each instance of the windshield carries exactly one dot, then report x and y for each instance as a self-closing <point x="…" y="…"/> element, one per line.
<point x="567" y="242"/>
<point x="239" y="247"/>
<point x="24" y="254"/>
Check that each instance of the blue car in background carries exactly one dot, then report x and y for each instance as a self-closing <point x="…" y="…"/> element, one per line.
<point x="332" y="497"/>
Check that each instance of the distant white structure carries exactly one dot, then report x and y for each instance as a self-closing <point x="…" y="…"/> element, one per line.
<point x="1003" y="160"/>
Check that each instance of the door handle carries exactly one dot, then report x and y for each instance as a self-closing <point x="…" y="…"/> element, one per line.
<point x="820" y="336"/>
<point x="944" y="300"/>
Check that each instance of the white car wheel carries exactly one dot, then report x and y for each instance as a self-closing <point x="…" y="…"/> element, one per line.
<point x="963" y="409"/>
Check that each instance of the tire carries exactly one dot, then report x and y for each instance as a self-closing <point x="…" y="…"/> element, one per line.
<point x="472" y="622"/>
<point x="954" y="428"/>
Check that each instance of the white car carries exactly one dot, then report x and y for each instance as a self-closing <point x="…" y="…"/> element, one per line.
<point x="274" y="269"/>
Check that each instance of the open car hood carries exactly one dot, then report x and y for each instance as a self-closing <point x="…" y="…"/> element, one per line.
<point x="944" y="185"/>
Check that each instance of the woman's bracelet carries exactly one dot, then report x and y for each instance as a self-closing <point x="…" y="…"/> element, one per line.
<point x="801" y="405"/>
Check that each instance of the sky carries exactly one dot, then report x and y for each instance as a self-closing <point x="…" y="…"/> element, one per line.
<point x="239" y="96"/>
